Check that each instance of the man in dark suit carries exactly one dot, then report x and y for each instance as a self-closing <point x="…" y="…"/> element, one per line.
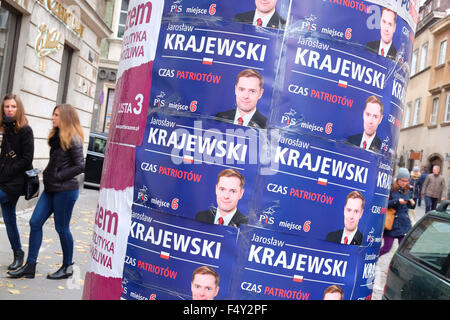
<point x="353" y="211"/>
<point x="384" y="47"/>
<point x="265" y="15"/>
<point x="372" y="117"/>
<point x="248" y="90"/>
<point x="229" y="190"/>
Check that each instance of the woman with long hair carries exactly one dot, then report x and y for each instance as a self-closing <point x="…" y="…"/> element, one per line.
<point x="399" y="199"/>
<point x="16" y="157"/>
<point x="60" y="191"/>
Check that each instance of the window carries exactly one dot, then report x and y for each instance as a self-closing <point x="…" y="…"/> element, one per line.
<point x="9" y="35"/>
<point x="416" y="112"/>
<point x="109" y="110"/>
<point x="447" y="108"/>
<point x="97" y="144"/>
<point x="423" y="56"/>
<point x="414" y="62"/>
<point x="442" y="52"/>
<point x="122" y="18"/>
<point x="64" y="75"/>
<point x="428" y="245"/>
<point x="407" y="115"/>
<point x="434" y="110"/>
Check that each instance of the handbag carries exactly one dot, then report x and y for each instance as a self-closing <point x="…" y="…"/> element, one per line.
<point x="389" y="220"/>
<point x="31" y="183"/>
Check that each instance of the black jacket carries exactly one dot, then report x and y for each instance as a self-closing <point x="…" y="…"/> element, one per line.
<point x="356" y="140"/>
<point x="63" y="166"/>
<point x="208" y="216"/>
<point x="336" y="237"/>
<point x="257" y="121"/>
<point x="16" y="157"/>
<point x="375" y="45"/>
<point x="276" y="21"/>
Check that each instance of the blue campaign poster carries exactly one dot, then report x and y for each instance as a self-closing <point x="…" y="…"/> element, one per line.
<point x="276" y="265"/>
<point x="281" y="129"/>
<point x="183" y="162"/>
<point x="335" y="84"/>
<point x="212" y="60"/>
<point x="166" y="252"/>
<point x="317" y="188"/>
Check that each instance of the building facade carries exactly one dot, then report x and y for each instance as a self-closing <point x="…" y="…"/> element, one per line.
<point x="49" y="54"/>
<point x="111" y="48"/>
<point x="425" y="134"/>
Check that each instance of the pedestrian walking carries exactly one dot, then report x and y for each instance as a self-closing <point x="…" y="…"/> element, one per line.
<point x="415" y="184"/>
<point x="60" y="191"/>
<point x="16" y="157"/>
<point x="433" y="189"/>
<point x="400" y="200"/>
<point x="422" y="178"/>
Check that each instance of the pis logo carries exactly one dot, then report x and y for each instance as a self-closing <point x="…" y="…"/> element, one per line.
<point x="288" y="118"/>
<point x="159" y="101"/>
<point x="267" y="216"/>
<point x="142" y="196"/>
<point x="308" y="23"/>
<point x="176" y="6"/>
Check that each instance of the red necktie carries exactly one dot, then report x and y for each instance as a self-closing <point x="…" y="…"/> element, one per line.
<point x="240" y="121"/>
<point x="365" y="144"/>
<point x="259" y="22"/>
<point x="220" y="220"/>
<point x="382" y="52"/>
<point x="345" y="240"/>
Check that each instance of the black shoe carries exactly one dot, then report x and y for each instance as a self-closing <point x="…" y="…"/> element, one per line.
<point x="26" y="271"/>
<point x="18" y="260"/>
<point x="63" y="273"/>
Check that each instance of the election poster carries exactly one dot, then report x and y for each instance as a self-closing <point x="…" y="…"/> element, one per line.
<point x="337" y="83"/>
<point x="283" y="266"/>
<point x="209" y="50"/>
<point x="178" y="256"/>
<point x="103" y="278"/>
<point x="181" y="162"/>
<point x="317" y="188"/>
<point x="131" y="99"/>
<point x="250" y="156"/>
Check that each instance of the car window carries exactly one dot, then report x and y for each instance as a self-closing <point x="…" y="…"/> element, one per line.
<point x="429" y="245"/>
<point x="97" y="144"/>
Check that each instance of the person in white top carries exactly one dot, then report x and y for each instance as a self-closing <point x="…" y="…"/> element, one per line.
<point x="229" y="190"/>
<point x="372" y="117"/>
<point x="384" y="47"/>
<point x="353" y="211"/>
<point x="248" y="90"/>
<point x="264" y="15"/>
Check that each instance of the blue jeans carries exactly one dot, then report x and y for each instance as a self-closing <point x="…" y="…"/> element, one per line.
<point x="9" y="217"/>
<point x="61" y="204"/>
<point x="430" y="203"/>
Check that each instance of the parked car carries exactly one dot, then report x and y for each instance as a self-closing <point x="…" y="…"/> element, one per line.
<point x="94" y="159"/>
<point x="420" y="268"/>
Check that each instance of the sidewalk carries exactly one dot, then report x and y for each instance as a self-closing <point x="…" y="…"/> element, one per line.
<point x="50" y="255"/>
<point x="383" y="262"/>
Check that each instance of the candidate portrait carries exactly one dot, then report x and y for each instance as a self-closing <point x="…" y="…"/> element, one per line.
<point x="372" y="117"/>
<point x="384" y="46"/>
<point x="205" y="283"/>
<point x="229" y="190"/>
<point x="333" y="292"/>
<point x="264" y="15"/>
<point x="353" y="211"/>
<point x="248" y="90"/>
